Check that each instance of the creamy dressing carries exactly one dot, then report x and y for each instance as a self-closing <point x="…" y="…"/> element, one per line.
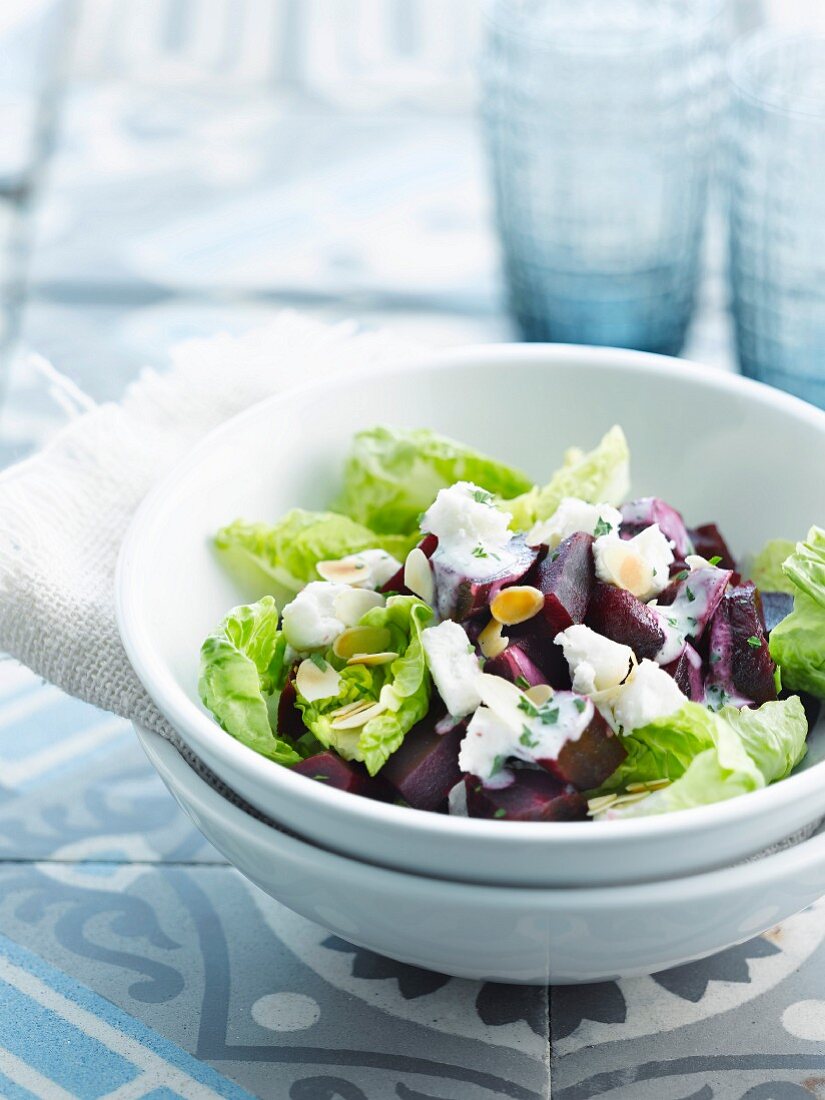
<point x="571" y="516"/>
<point x="680" y="620"/>
<point x="473" y="534"/>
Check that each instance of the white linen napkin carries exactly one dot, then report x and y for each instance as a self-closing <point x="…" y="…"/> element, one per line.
<point x="64" y="512"/>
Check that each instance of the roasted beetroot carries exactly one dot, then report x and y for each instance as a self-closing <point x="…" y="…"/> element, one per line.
<point x="290" y="720"/>
<point x="641" y="513"/>
<point x="620" y="616"/>
<point x="532" y="796"/>
<point x="533" y="639"/>
<point x="565" y="576"/>
<point x="425" y="768"/>
<point x="343" y="775"/>
<point x="740" y="668"/>
<point x="587" y="762"/>
<point x="686" y="670"/>
<point x="396" y="582"/>
<point x="693" y="597"/>
<point x="708" y="543"/>
<point x="459" y="596"/>
<point x="514" y="665"/>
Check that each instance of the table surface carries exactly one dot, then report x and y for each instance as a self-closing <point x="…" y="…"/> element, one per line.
<point x="134" y="961"/>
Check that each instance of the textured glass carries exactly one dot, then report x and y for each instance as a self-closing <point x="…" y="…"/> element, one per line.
<point x="599" y="117"/>
<point x="777" y="217"/>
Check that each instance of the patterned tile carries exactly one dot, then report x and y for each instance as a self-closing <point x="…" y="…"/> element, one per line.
<point x="267" y="999"/>
<point x="75" y="784"/>
<point x="749" y="1022"/>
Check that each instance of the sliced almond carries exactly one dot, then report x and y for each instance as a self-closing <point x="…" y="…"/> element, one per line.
<point x="491" y="641"/>
<point x="631" y="799"/>
<point x="598" y="805"/>
<point x="502" y="698"/>
<point x="371" y="659"/>
<point x="361" y="639"/>
<point x="358" y="717"/>
<point x="350" y="570"/>
<point x="418" y="575"/>
<point x="517" y="604"/>
<point x="539" y="694"/>
<point x="349" y="708"/>
<point x="314" y="683"/>
<point x="349" y="605"/>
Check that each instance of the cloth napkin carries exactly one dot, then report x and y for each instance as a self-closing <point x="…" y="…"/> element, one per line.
<point x="65" y="511"/>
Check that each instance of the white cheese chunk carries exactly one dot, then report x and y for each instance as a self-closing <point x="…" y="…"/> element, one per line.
<point x="641" y="564"/>
<point x="309" y="621"/>
<point x="473" y="534"/>
<point x="488" y="742"/>
<point x="574" y="515"/>
<point x="380" y="564"/>
<point x="648" y="695"/>
<point x="454" y="666"/>
<point x="596" y="663"/>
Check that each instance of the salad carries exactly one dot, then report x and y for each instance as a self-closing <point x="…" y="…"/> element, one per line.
<point x="454" y="638"/>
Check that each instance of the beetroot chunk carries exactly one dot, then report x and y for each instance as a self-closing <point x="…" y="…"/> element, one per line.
<point x="589" y="761"/>
<point x="459" y="596"/>
<point x="740" y="664"/>
<point x="343" y="775"/>
<point x="686" y="670"/>
<point x="708" y="543"/>
<point x="425" y="768"/>
<point x="290" y="720"/>
<point x="694" y="597"/>
<point x="566" y="577"/>
<point x="514" y="665"/>
<point x="533" y="640"/>
<point x="396" y="582"/>
<point x="641" y="513"/>
<point x="622" y="617"/>
<point x="532" y="796"/>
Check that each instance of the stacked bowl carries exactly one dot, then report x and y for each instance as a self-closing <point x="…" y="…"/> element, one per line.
<point x="508" y="901"/>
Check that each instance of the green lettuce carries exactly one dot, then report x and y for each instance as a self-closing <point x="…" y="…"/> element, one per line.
<point x="712" y="756"/>
<point x="766" y="572"/>
<point x="403" y="685"/>
<point x="601" y="476"/>
<point x="242" y="671"/>
<point x="798" y="642"/>
<point x="392" y="475"/>
<point x="288" y="551"/>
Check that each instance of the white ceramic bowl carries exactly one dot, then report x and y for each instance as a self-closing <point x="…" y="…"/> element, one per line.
<point x="494" y="932"/>
<point x="719" y="447"/>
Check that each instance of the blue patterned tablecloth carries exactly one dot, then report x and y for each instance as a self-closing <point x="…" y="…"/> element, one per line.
<point x="134" y="962"/>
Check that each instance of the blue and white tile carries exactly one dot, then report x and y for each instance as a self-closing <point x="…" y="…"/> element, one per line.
<point x="75" y="786"/>
<point x="266" y="998"/>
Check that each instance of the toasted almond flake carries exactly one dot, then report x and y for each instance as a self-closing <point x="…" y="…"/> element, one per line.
<point x="598" y="805"/>
<point x="359" y="717"/>
<point x="539" y="694"/>
<point x="349" y="708"/>
<point x="658" y="784"/>
<point x="352" y="603"/>
<point x="418" y="575"/>
<point x="517" y="604"/>
<point x="370" y="659"/>
<point x="491" y="641"/>
<point x="361" y="639"/>
<point x="314" y="683"/>
<point x="631" y="799"/>
<point x="502" y="698"/>
<point x="350" y="570"/>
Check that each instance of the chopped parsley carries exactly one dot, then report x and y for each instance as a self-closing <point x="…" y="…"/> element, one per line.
<point x="682" y="575"/>
<point x="714" y="560"/>
<point x="602" y="528"/>
<point x="547" y="714"/>
<point x="527" y="738"/>
<point x="673" y="622"/>
<point x="754" y="642"/>
<point x="498" y="765"/>
<point x="529" y="707"/>
<point x="690" y="594"/>
<point x="580" y="705"/>
<point x="522" y="682"/>
<point x="480" y="552"/>
<point x="500" y="812"/>
<point x="554" y="555"/>
<point x="715" y="658"/>
<point x="318" y="661"/>
<point x="481" y="496"/>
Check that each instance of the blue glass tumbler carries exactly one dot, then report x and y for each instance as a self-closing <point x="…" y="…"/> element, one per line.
<point x="599" y="118"/>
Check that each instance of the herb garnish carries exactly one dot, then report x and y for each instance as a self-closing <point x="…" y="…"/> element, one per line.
<point x="602" y="528"/>
<point x="522" y="682"/>
<point x="481" y="496"/>
<point x="714" y="560"/>
<point x="690" y="594"/>
<point x="754" y="642"/>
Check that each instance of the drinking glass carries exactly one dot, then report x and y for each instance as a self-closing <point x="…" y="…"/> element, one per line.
<point x="777" y="210"/>
<point x="599" y="118"/>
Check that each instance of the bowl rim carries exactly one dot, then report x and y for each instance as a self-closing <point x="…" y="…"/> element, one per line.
<point x="796" y="860"/>
<point x="200" y="731"/>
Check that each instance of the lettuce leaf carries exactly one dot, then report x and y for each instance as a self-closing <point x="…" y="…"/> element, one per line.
<point x="288" y="551"/>
<point x="242" y="672"/>
<point x="797" y="643"/>
<point x="712" y="756"/>
<point x="403" y="685"/>
<point x="766" y="572"/>
<point x="601" y="476"/>
<point x="392" y="475"/>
